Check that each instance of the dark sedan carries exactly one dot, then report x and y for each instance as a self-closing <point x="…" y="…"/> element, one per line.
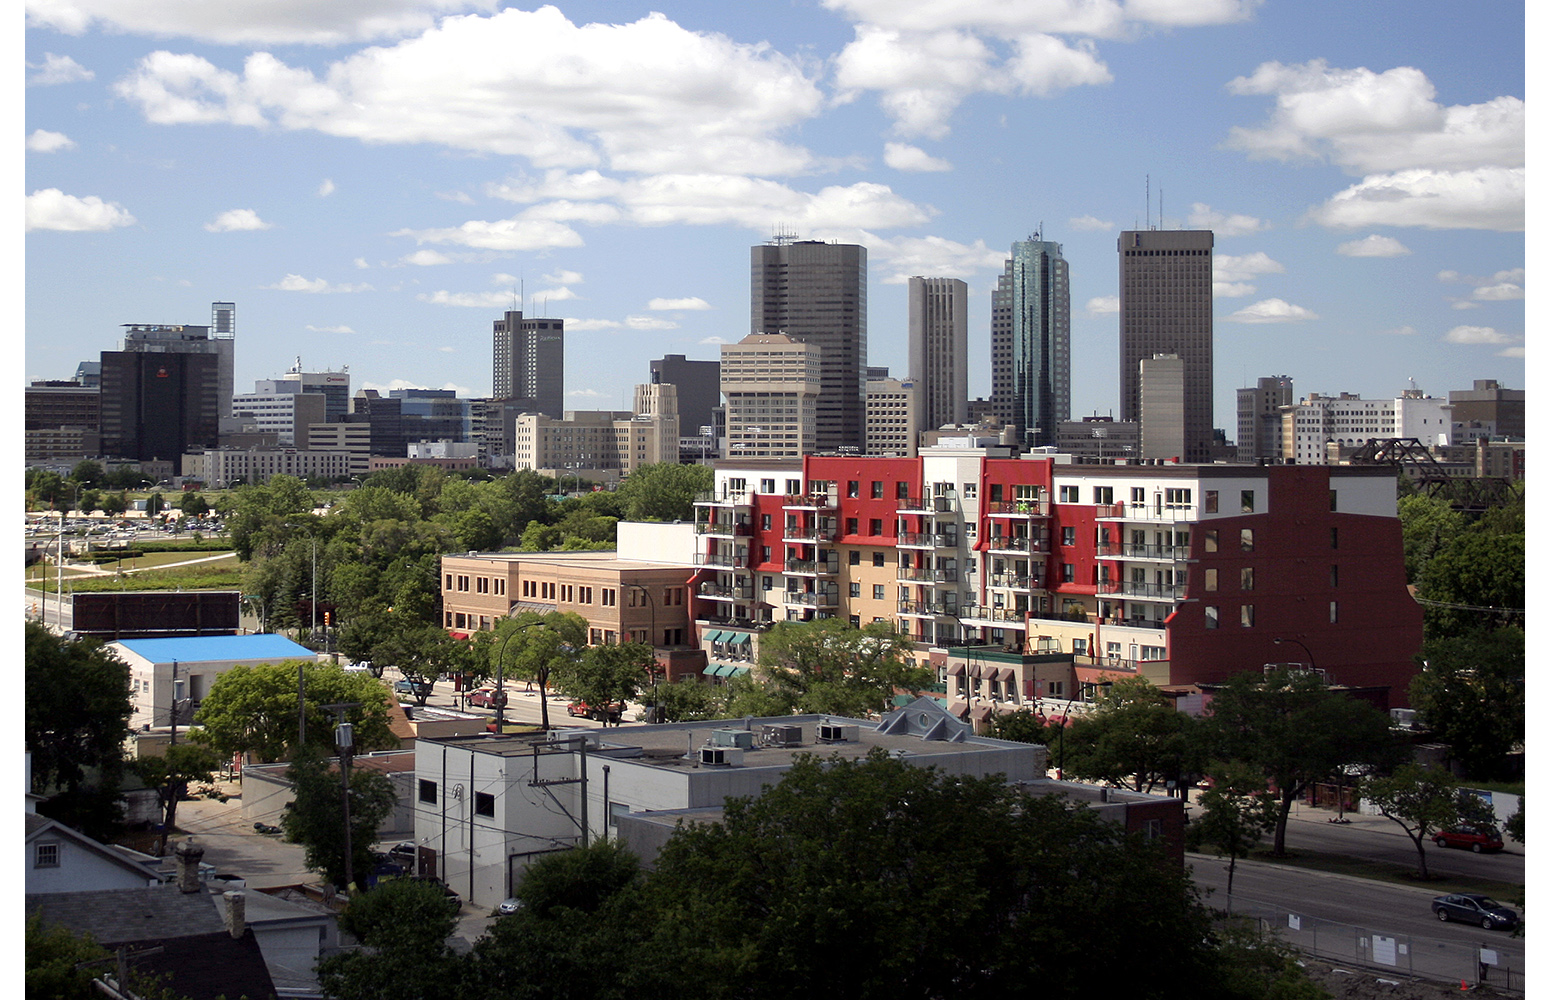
<point x="1473" y="908"/>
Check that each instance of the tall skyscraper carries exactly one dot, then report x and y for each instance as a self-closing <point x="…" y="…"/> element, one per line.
<point x="1030" y="337"/>
<point x="773" y="384"/>
<point x="815" y="292"/>
<point x="530" y="363"/>
<point x="1165" y="308"/>
<point x="218" y="339"/>
<point x="157" y="405"/>
<point x="699" y="389"/>
<point x="1259" y="417"/>
<point x="939" y="349"/>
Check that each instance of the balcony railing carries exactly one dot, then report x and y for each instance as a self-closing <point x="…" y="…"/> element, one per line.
<point x="812" y="600"/>
<point x="926" y="540"/>
<point x="1131" y="550"/>
<point x="1166" y="513"/>
<point x="725" y="592"/>
<point x="1019" y="508"/>
<point x="725" y="559"/>
<point x="927" y="608"/>
<point x="1000" y="616"/>
<point x="736" y="498"/>
<point x="810" y="567"/>
<point x="1014" y="581"/>
<point x="729" y="528"/>
<point x="1142" y="591"/>
<point x="912" y="574"/>
<point x="1016" y="543"/>
<point x="932" y="505"/>
<point x="812" y="533"/>
<point x="809" y="501"/>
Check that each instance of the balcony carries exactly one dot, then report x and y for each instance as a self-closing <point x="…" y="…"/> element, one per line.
<point x="1014" y="581"/>
<point x="915" y="574"/>
<point x="728" y="529"/>
<point x="726" y="592"/>
<point x="927" y="609"/>
<point x="812" y="534"/>
<point x="929" y="505"/>
<point x="1019" y="508"/>
<point x="995" y="617"/>
<point x="926" y="540"/>
<point x="1154" y="553"/>
<point x="723" y="559"/>
<point x="737" y="498"/>
<point x="1015" y="544"/>
<point x="810" y="567"/>
<point x="1157" y="513"/>
<point x="793" y="599"/>
<point x="1135" y="590"/>
<point x="809" y="501"/>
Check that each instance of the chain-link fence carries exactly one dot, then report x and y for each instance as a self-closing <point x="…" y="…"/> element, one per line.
<point x="1472" y="962"/>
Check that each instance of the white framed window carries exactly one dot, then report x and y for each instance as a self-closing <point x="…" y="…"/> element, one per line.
<point x="46" y="855"/>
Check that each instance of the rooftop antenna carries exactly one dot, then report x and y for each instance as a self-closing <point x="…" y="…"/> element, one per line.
<point x="1160" y="221"/>
<point x="782" y="236"/>
<point x="1149" y="201"/>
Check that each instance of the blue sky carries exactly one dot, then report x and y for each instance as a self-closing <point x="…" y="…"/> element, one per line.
<point x="371" y="181"/>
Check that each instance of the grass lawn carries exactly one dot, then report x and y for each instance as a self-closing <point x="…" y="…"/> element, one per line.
<point x="223" y="572"/>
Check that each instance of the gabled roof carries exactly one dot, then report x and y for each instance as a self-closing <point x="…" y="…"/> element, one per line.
<point x="39" y="827"/>
<point x="206" y="648"/>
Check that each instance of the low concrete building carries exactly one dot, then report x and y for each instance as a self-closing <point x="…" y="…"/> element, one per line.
<point x="182" y="670"/>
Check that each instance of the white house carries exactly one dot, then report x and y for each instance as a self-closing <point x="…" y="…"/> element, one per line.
<point x="162" y="671"/>
<point x="487" y="805"/>
<point x="59" y="859"/>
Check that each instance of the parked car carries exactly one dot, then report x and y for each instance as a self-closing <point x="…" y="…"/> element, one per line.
<point x="508" y="906"/>
<point x="405" y="853"/>
<point x="483" y="698"/>
<point x="581" y="710"/>
<point x="412" y="687"/>
<point x="1473" y="908"/>
<point x="385" y="864"/>
<point x="1477" y="839"/>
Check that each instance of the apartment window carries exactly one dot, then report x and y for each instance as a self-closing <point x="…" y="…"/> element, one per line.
<point x="1246" y="616"/>
<point x="765" y="523"/>
<point x="462" y="583"/>
<point x="769" y="582"/>
<point x="1138" y="494"/>
<point x="879" y="592"/>
<point x="46" y="855"/>
<point x="1210" y="501"/>
<point x="1103" y="494"/>
<point x="879" y="559"/>
<point x="855" y="621"/>
<point x="1213" y="617"/>
<point x="1068" y="536"/>
<point x="1068" y="494"/>
<point x="853" y="488"/>
<point x="427" y="792"/>
<point x="1334" y="538"/>
<point x="1067" y="573"/>
<point x="793" y="486"/>
<point x="610" y="597"/>
<point x="449" y="582"/>
<point x="1055" y="689"/>
<point x="764" y="553"/>
<point x="875" y="527"/>
<point x="996" y="492"/>
<point x="1334" y="500"/>
<point x="1246" y="540"/>
<point x="1246" y="578"/>
<point x="1210" y="579"/>
<point x="852" y="525"/>
<point x="855" y="554"/>
<point x="766" y="486"/>
<point x="1334" y="576"/>
<point x="877" y="489"/>
<point x="595" y="637"/>
<point x="1334" y="612"/>
<point x="1246" y="501"/>
<point x="971" y="491"/>
<point x="484" y="804"/>
<point x="1174" y="497"/>
<point x="1211" y="539"/>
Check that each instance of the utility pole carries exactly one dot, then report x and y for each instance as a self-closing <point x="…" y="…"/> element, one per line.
<point x="344" y="739"/>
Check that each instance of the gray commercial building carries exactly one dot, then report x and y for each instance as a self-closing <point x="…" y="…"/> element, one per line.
<point x="1488" y="402"/>
<point x="217" y="339"/>
<point x="159" y="406"/>
<point x="939" y="349"/>
<point x="816" y="293"/>
<point x="699" y="389"/>
<point x="1165" y="308"/>
<point x="1031" y="341"/>
<point x="529" y="359"/>
<point x="1259" y="417"/>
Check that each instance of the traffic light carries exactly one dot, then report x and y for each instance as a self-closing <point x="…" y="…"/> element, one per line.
<point x="328" y="619"/>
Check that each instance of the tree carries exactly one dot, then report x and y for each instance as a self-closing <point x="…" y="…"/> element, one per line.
<point x="422" y="653"/>
<point x="54" y="959"/>
<point x="1423" y="800"/>
<point x="315" y="817"/>
<point x="1427" y="524"/>
<point x="77" y="711"/>
<point x="90" y="500"/>
<point x="1294" y="730"/>
<point x="1471" y="693"/>
<point x="1514" y="827"/>
<point x="253" y="710"/>
<point x="114" y="504"/>
<point x="689" y="700"/>
<point x="87" y="472"/>
<point x="1237" y="811"/>
<point x="829" y="665"/>
<point x="1022" y="726"/>
<point x="540" y="646"/>
<point x="171" y="774"/>
<point x="1134" y="737"/>
<point x="194" y="504"/>
<point x="664" y="491"/>
<point x="605" y="675"/>
<point x="266" y="506"/>
<point x="1475" y="580"/>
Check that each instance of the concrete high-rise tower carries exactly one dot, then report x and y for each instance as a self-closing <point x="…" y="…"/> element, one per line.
<point x="1031" y="341"/>
<point x="530" y="363"/>
<point x="815" y="292"/>
<point x="939" y="349"/>
<point x="219" y="339"/>
<point x="1259" y="417"/>
<point x="1165" y="308"/>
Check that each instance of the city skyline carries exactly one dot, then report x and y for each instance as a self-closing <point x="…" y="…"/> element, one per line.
<point x="1361" y="169"/>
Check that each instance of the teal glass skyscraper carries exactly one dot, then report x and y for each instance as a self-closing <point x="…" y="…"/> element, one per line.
<point x="1031" y="308"/>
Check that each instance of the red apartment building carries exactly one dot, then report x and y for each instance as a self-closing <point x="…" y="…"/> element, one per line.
<point x="1186" y="574"/>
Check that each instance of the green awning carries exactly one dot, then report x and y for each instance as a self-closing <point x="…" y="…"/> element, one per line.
<point x="734" y="671"/>
<point x="712" y="670"/>
<point x="724" y="669"/>
<point x="716" y="635"/>
<point x="740" y="638"/>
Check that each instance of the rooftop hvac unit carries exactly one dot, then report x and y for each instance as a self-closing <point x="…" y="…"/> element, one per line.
<point x="720" y="756"/>
<point x="830" y="733"/>
<point x="740" y="738"/>
<point x="572" y="737"/>
<point x="781" y="736"/>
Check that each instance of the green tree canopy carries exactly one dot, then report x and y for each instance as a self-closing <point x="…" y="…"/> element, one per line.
<point x="314" y="818"/>
<point x="253" y="710"/>
<point x="266" y="507"/>
<point x="664" y="491"/>
<point x="1236" y="813"/>
<point x="1476" y="580"/>
<point x="1134" y="738"/>
<point x="1294" y="730"/>
<point x="689" y="700"/>
<point x="1471" y="693"/>
<point x="829" y="665"/>
<point x="1423" y="800"/>
<point x="533" y="647"/>
<point x="1428" y="524"/>
<point x="170" y="774"/>
<point x="604" y="675"/>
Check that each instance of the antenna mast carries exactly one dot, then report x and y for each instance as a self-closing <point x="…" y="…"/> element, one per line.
<point x="1149" y="201"/>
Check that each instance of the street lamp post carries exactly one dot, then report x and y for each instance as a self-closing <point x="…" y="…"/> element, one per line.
<point x="650" y="641"/>
<point x="1305" y="649"/>
<point x="500" y="680"/>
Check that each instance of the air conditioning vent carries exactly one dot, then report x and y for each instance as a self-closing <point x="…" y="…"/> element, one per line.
<point x="740" y="738"/>
<point x="720" y="756"/>
<point x="830" y="733"/>
<point x="781" y="736"/>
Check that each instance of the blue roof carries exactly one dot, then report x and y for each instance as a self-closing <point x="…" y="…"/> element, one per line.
<point x="205" y="648"/>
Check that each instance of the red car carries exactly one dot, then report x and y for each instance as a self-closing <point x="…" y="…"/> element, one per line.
<point x="581" y="710"/>
<point x="1476" y="839"/>
<point x="483" y="698"/>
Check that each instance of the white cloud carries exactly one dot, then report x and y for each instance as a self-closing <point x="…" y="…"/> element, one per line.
<point x="1465" y="304"/>
<point x="1103" y="305"/>
<point x="561" y="294"/>
<point x="360" y="262"/>
<point x="649" y="323"/>
<point x="1447" y="276"/>
<point x="1272" y="311"/>
<point x="502" y="234"/>
<point x="712" y="341"/>
<point x="587" y="393"/>
<point x="472" y="300"/>
<point x="461" y="197"/>
<point x="41" y="141"/>
<point x="56" y="70"/>
<point x="1475" y="335"/>
<point x="51" y="208"/>
<point x="1372" y="122"/>
<point x="1089" y="224"/>
<point x="253" y="22"/>
<point x="648" y="96"/>
<point x="1513" y="352"/>
<point x="425" y="258"/>
<point x="326" y="188"/>
<point x="237" y="220"/>
<point x="1191" y="13"/>
<point x="901" y="156"/>
<point x="1487" y="198"/>
<point x="1502" y="292"/>
<point x="562" y="278"/>
<point x="1398" y="331"/>
<point x="574" y="325"/>
<point x="659" y="305"/>
<point x="296" y="283"/>
<point x="1232" y="276"/>
<point x="1202" y="216"/>
<point x="330" y="329"/>
<point x="1373" y="246"/>
<point x="900" y="258"/>
<point x="1232" y="289"/>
